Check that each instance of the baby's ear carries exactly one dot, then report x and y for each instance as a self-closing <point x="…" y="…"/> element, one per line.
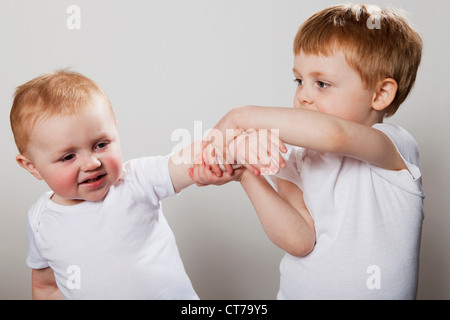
<point x="385" y="93"/>
<point x="28" y="165"/>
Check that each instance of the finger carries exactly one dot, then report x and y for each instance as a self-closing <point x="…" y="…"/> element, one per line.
<point x="275" y="152"/>
<point x="196" y="176"/>
<point x="215" y="165"/>
<point x="282" y="147"/>
<point x="250" y="158"/>
<point x="217" y="170"/>
<point x="277" y="159"/>
<point x="266" y="171"/>
<point x="267" y="162"/>
<point x="229" y="169"/>
<point x="210" y="157"/>
<point x="255" y="171"/>
<point x="229" y="154"/>
<point x="281" y="161"/>
<point x="275" y="137"/>
<point x="208" y="154"/>
<point x="207" y="176"/>
<point x="264" y="156"/>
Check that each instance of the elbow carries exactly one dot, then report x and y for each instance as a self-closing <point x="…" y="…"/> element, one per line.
<point x="238" y="113"/>
<point x="301" y="247"/>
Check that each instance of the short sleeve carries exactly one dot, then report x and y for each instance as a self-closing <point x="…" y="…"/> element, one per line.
<point x="152" y="174"/>
<point x="34" y="259"/>
<point x="407" y="148"/>
<point x="292" y="170"/>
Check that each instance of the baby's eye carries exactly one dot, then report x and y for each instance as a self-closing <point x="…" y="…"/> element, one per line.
<point x="101" y="145"/>
<point x="299" y="81"/>
<point x="67" y="157"/>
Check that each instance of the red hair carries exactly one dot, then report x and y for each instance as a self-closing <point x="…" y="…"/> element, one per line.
<point x="63" y="92"/>
<point x="377" y="43"/>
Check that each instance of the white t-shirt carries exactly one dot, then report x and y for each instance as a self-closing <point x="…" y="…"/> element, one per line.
<point x="118" y="248"/>
<point x="368" y="224"/>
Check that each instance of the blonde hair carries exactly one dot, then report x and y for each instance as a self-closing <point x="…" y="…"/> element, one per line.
<point x="62" y="93"/>
<point x="378" y="44"/>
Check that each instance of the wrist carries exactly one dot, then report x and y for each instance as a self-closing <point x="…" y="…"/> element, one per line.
<point x="237" y="115"/>
<point x="246" y="177"/>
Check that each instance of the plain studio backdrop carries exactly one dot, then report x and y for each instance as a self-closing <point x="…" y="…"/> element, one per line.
<point x="170" y="67"/>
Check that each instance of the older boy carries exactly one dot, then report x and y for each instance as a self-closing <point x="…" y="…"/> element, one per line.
<point x="352" y="187"/>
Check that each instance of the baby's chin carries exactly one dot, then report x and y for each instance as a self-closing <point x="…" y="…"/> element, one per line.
<point x="65" y="201"/>
<point x="95" y="197"/>
<point x="73" y="201"/>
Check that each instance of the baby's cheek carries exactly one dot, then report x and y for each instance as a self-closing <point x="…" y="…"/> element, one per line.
<point x="64" y="183"/>
<point x="114" y="165"/>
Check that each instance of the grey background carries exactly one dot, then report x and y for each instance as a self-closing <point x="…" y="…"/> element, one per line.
<point x="166" y="64"/>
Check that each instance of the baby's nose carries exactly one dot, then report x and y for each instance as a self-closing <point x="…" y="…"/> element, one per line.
<point x="90" y="162"/>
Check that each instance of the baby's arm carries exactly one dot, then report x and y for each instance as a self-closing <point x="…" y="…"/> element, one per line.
<point x="184" y="169"/>
<point x="283" y="215"/>
<point x="318" y="131"/>
<point x="44" y="285"/>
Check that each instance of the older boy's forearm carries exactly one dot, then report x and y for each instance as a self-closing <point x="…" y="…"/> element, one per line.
<point x="309" y="129"/>
<point x="285" y="227"/>
<point x="321" y="132"/>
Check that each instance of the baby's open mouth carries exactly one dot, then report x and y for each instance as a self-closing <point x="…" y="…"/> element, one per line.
<point x="93" y="179"/>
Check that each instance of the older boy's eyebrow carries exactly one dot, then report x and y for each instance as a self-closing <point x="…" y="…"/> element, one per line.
<point x="316" y="73"/>
<point x="312" y="74"/>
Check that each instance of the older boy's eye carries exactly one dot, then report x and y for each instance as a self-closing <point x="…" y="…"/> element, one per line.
<point x="299" y="81"/>
<point x="322" y="85"/>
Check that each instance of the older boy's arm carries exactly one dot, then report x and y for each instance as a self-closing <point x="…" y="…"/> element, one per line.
<point x="284" y="216"/>
<point x="44" y="286"/>
<point x="319" y="131"/>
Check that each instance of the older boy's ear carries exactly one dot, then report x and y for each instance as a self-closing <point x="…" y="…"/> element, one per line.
<point x="385" y="93"/>
<point x="28" y="165"/>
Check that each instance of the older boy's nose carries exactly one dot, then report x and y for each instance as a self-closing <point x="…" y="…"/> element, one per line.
<point x="302" y="98"/>
<point x="90" y="162"/>
<point x="306" y="99"/>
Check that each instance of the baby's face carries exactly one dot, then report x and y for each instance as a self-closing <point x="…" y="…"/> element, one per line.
<point x="78" y="156"/>
<point x="330" y="85"/>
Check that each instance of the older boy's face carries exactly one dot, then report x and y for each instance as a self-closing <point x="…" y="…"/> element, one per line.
<point x="330" y="85"/>
<point x="78" y="156"/>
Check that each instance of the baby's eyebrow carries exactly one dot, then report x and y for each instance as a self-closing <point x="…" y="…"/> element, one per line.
<point x="99" y="136"/>
<point x="63" y="151"/>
